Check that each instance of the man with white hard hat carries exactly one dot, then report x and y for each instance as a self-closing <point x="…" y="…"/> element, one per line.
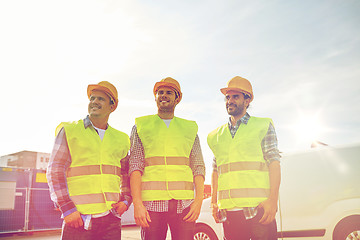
<point x="88" y="164"/>
<point x="166" y="164"/>
<point x="246" y="169"/>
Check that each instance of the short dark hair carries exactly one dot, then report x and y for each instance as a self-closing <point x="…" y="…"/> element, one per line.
<point x="246" y="96"/>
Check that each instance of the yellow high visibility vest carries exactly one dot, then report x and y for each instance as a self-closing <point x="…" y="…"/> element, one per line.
<point x="94" y="176"/>
<point x="167" y="173"/>
<point x="243" y="173"/>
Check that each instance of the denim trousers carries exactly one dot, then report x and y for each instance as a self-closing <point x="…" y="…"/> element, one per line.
<point x="107" y="227"/>
<point x="180" y="230"/>
<point x="237" y="227"/>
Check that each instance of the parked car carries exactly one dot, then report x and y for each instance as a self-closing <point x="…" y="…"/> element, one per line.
<point x="319" y="197"/>
<point x="206" y="228"/>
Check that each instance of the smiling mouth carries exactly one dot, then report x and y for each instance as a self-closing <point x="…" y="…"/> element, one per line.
<point x="95" y="108"/>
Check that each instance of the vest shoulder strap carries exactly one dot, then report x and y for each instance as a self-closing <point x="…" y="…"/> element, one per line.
<point x="212" y="135"/>
<point x="117" y="132"/>
<point x="264" y="120"/>
<point x="143" y="119"/>
<point x="66" y="125"/>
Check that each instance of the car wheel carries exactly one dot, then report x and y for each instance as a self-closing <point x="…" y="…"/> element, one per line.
<point x="203" y="232"/>
<point x="353" y="235"/>
<point x="348" y="229"/>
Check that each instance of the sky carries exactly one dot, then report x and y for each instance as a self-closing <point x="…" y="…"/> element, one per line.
<point x="302" y="58"/>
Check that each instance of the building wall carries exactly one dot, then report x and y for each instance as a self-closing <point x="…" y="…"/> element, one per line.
<point x="26" y="159"/>
<point x="4" y="160"/>
<point x="42" y="160"/>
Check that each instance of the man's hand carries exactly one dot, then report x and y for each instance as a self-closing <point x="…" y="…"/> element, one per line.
<point x="215" y="209"/>
<point x="194" y="212"/>
<point x="120" y="207"/>
<point x="270" y="209"/>
<point x="141" y="215"/>
<point x="74" y="220"/>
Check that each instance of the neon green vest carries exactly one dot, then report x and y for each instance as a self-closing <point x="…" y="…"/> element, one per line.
<point x="243" y="173"/>
<point x="94" y="176"/>
<point x="167" y="173"/>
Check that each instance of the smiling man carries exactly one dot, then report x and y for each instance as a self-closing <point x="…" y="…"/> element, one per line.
<point x="87" y="172"/>
<point x="246" y="169"/>
<point x="165" y="164"/>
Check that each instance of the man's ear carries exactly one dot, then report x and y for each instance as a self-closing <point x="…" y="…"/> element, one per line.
<point x="247" y="102"/>
<point x="112" y="107"/>
<point x="177" y="100"/>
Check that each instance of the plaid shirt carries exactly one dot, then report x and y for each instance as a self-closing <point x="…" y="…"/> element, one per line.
<point x="137" y="163"/>
<point x="269" y="147"/>
<point x="60" y="161"/>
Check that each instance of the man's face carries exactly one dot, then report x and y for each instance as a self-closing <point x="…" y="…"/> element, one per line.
<point x="166" y="99"/>
<point x="99" y="105"/>
<point x="236" y="103"/>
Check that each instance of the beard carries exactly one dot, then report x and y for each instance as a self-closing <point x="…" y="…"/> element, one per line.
<point x="170" y="107"/>
<point x="236" y="109"/>
<point x="166" y="108"/>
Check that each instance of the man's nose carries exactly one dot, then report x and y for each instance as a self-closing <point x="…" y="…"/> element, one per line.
<point x="95" y="100"/>
<point x="230" y="100"/>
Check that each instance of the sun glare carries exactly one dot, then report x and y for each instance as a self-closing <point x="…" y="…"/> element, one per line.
<point x="308" y="128"/>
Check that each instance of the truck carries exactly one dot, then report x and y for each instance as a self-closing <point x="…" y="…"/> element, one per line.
<point x="319" y="196"/>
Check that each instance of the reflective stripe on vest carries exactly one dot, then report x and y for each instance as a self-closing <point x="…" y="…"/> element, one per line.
<point x="159" y="185"/>
<point x="94" y="176"/>
<point x="243" y="193"/>
<point x="167" y="174"/>
<point x="152" y="161"/>
<point x="95" y="198"/>
<point x="243" y="173"/>
<point x="92" y="170"/>
<point x="242" y="166"/>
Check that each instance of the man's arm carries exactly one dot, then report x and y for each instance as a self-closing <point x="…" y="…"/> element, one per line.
<point x="126" y="200"/>
<point x="136" y="168"/>
<point x="141" y="215"/>
<point x="60" y="160"/>
<point x="214" y="189"/>
<point x="270" y="205"/>
<point x="195" y="207"/>
<point x="197" y="166"/>
<point x="272" y="157"/>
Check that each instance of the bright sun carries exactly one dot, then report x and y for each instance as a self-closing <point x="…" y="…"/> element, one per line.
<point x="308" y="128"/>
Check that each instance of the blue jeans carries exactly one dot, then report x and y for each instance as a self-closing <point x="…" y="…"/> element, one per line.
<point x="180" y="230"/>
<point x="107" y="227"/>
<point x="236" y="227"/>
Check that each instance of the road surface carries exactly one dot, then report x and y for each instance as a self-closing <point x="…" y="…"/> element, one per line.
<point x="128" y="233"/>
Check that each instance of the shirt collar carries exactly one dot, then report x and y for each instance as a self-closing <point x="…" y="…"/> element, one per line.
<point x="244" y="120"/>
<point x="87" y="122"/>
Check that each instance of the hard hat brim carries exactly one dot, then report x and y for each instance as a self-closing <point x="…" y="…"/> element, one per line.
<point x="225" y="90"/>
